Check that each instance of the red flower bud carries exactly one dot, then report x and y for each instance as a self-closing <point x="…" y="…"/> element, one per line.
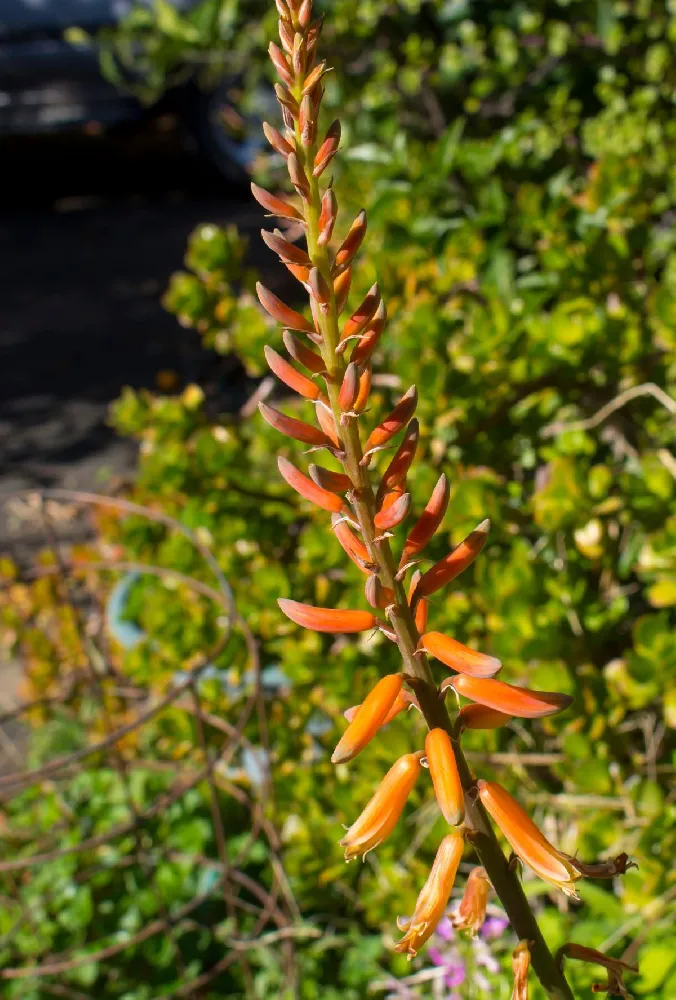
<point x="293" y="428"/>
<point x="281" y="312"/>
<point x="459" y="657"/>
<point x="428" y="522"/>
<point x="315" y="494"/>
<point x="275" y="205"/>
<point x="327" y="619"/>
<point x="294" y="379"/>
<point x="455" y="562"/>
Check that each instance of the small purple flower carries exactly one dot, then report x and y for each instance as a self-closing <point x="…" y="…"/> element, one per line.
<point x="493" y="928"/>
<point x="445" y="929"/>
<point x="436" y="957"/>
<point x="455" y="973"/>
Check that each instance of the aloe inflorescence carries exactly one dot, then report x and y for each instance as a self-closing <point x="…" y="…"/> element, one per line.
<point x="335" y="348"/>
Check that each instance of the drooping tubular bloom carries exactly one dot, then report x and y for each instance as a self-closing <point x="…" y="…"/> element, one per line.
<point x="520" y="967"/>
<point x="521" y="702"/>
<point x="527" y="842"/>
<point x="433" y="897"/>
<point x="445" y="776"/>
<point x="471" y="910"/>
<point x="370" y="717"/>
<point x="380" y="816"/>
<point x="615" y="967"/>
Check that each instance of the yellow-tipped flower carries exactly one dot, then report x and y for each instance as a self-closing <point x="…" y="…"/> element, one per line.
<point x="526" y="840"/>
<point x="445" y="777"/>
<point x="371" y="716"/>
<point x="471" y="911"/>
<point x="434" y="896"/>
<point x="520" y="966"/>
<point x="380" y="816"/>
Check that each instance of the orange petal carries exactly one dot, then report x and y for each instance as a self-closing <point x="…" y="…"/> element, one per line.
<point x="360" y="317"/>
<point x="455" y="562"/>
<point x="421" y="608"/>
<point x="352" y="546"/>
<point x="349" y="388"/>
<point x="401" y="702"/>
<point x="327" y="217"/>
<point x="394" y="422"/>
<point x="303" y="485"/>
<point x="368" y="341"/>
<point x="480" y="717"/>
<point x="293" y="428"/>
<point x="327" y="150"/>
<point x="520" y="967"/>
<point x="459" y="657"/>
<point x="293" y="165"/>
<point x="327" y="423"/>
<point x="521" y="702"/>
<point x="277" y="140"/>
<point x="313" y="78"/>
<point x="471" y="911"/>
<point x="335" y="482"/>
<point x="445" y="776"/>
<point x="290" y="376"/>
<point x="433" y="897"/>
<point x="286" y="251"/>
<point x="394" y="513"/>
<point x="281" y="312"/>
<point x="352" y="241"/>
<point x="529" y="843"/>
<point x="371" y="716"/>
<point x="397" y="470"/>
<point x="341" y="289"/>
<point x="280" y="62"/>
<point x="302" y="354"/>
<point x="376" y="594"/>
<point x="364" y="390"/>
<point x="327" y="619"/>
<point x="380" y="816"/>
<point x="429" y="521"/>
<point x="275" y="205"/>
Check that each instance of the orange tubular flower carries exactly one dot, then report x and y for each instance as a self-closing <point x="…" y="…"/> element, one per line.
<point x="327" y="619"/>
<point x="394" y="422"/>
<point x="471" y="910"/>
<point x="445" y="776"/>
<point x="521" y="702"/>
<point x="433" y="898"/>
<point x="403" y="700"/>
<point x="455" y="562"/>
<point x="309" y="490"/>
<point x="429" y="521"/>
<point x="293" y="428"/>
<point x="295" y="380"/>
<point x="526" y="840"/>
<point x="281" y="312"/>
<point x="520" y="965"/>
<point x="380" y="816"/>
<point x="459" y="657"/>
<point x="370" y="717"/>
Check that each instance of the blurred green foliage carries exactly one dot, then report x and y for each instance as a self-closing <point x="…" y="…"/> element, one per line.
<point x="517" y="163"/>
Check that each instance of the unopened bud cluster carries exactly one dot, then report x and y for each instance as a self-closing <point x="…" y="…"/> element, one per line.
<point x="334" y="354"/>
